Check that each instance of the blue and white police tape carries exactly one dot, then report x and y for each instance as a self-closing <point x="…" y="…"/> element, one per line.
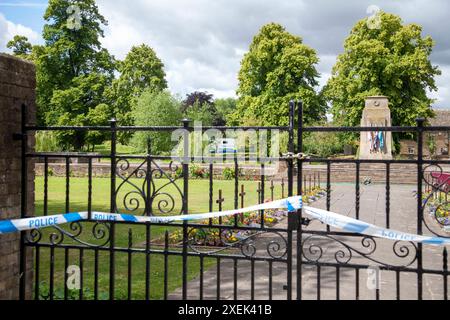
<point x="8" y="226"/>
<point x="356" y="226"/>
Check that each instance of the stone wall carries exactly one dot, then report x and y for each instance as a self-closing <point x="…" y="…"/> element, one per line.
<point x="17" y="87"/>
<point x="340" y="172"/>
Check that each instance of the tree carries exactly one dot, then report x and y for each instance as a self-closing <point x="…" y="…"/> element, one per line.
<point x="200" y="112"/>
<point x="391" y="60"/>
<point x="155" y="109"/>
<point x="197" y="97"/>
<point x="73" y="69"/>
<point x="224" y="107"/>
<point x="200" y="106"/>
<point x="277" y="68"/>
<point x="20" y="46"/>
<point x="141" y="70"/>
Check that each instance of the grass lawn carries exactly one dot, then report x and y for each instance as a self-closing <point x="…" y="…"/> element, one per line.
<point x="198" y="203"/>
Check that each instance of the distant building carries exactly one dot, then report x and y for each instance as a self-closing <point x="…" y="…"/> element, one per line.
<point x="436" y="144"/>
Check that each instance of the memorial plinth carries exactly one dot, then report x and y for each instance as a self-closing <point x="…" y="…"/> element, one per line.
<point x="376" y="144"/>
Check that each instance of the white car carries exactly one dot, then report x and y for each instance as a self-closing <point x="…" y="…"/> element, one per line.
<point x="224" y="146"/>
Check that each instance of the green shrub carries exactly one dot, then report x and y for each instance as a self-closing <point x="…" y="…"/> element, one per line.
<point x="197" y="172"/>
<point x="229" y="173"/>
<point x="47" y="141"/>
<point x="322" y="144"/>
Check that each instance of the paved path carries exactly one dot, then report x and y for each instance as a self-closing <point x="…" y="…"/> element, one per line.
<point x="372" y="209"/>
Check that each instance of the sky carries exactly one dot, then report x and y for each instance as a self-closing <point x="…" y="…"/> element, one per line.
<point x="202" y="42"/>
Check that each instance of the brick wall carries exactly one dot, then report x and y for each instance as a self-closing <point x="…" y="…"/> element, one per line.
<point x="17" y="87"/>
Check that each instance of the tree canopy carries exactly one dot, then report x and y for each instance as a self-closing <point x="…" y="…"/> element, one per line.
<point x="277" y="69"/>
<point x="73" y="70"/>
<point x="140" y="70"/>
<point x="20" y="46"/>
<point x="392" y="59"/>
<point x="155" y="108"/>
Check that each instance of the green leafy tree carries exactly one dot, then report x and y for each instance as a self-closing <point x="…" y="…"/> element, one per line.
<point x="73" y="69"/>
<point x="20" y="46"/>
<point x="277" y="68"/>
<point x="224" y="107"/>
<point x="391" y="59"/>
<point x="141" y="70"/>
<point x="202" y="113"/>
<point x="155" y="109"/>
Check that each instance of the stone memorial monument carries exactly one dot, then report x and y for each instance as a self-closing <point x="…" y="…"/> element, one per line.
<point x="376" y="144"/>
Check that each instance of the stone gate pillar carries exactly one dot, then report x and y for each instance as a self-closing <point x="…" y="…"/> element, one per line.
<point x="17" y="88"/>
<point x="376" y="144"/>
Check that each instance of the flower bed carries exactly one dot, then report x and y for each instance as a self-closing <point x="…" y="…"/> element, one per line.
<point x="213" y="237"/>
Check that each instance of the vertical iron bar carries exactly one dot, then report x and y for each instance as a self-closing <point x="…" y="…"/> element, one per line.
<point x="338" y="289"/>
<point x="328" y="189"/>
<point x="388" y="194"/>
<point x="113" y="125"/>
<point x="299" y="192"/>
<point x="66" y="265"/>
<point x="96" y="274"/>
<point x="130" y="262"/>
<point x="218" y="279"/>
<point x="45" y="186"/>
<point x="445" y="269"/>
<point x="81" y="258"/>
<point x="201" y="276"/>
<point x="90" y="189"/>
<point x="270" y="279"/>
<point x="67" y="184"/>
<point x="357" y="283"/>
<point x="147" y="261"/>
<point x="236" y="188"/>
<point x="290" y="194"/>
<point x="148" y="212"/>
<point x="52" y="272"/>
<point x="36" y="277"/>
<point x="185" y="201"/>
<point x="263" y="186"/>
<point x="318" y="282"/>
<point x="211" y="189"/>
<point x="166" y="263"/>
<point x="420" y="123"/>
<point x="252" y="280"/>
<point x="235" y="275"/>
<point x="397" y="281"/>
<point x="357" y="189"/>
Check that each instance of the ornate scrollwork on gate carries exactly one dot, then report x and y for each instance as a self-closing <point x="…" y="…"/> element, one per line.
<point x="436" y="205"/>
<point x="138" y="189"/>
<point x="319" y="248"/>
<point x="249" y="243"/>
<point x="98" y="234"/>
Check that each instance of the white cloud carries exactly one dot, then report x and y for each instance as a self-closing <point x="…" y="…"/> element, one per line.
<point x="9" y="29"/>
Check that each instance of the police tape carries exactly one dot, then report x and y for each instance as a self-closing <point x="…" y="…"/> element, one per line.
<point x="356" y="226"/>
<point x="292" y="204"/>
<point x="9" y="226"/>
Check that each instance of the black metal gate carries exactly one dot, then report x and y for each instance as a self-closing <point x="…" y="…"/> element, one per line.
<point x="349" y="265"/>
<point x="127" y="260"/>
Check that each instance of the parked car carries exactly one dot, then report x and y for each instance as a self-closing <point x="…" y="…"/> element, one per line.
<point x="223" y="146"/>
